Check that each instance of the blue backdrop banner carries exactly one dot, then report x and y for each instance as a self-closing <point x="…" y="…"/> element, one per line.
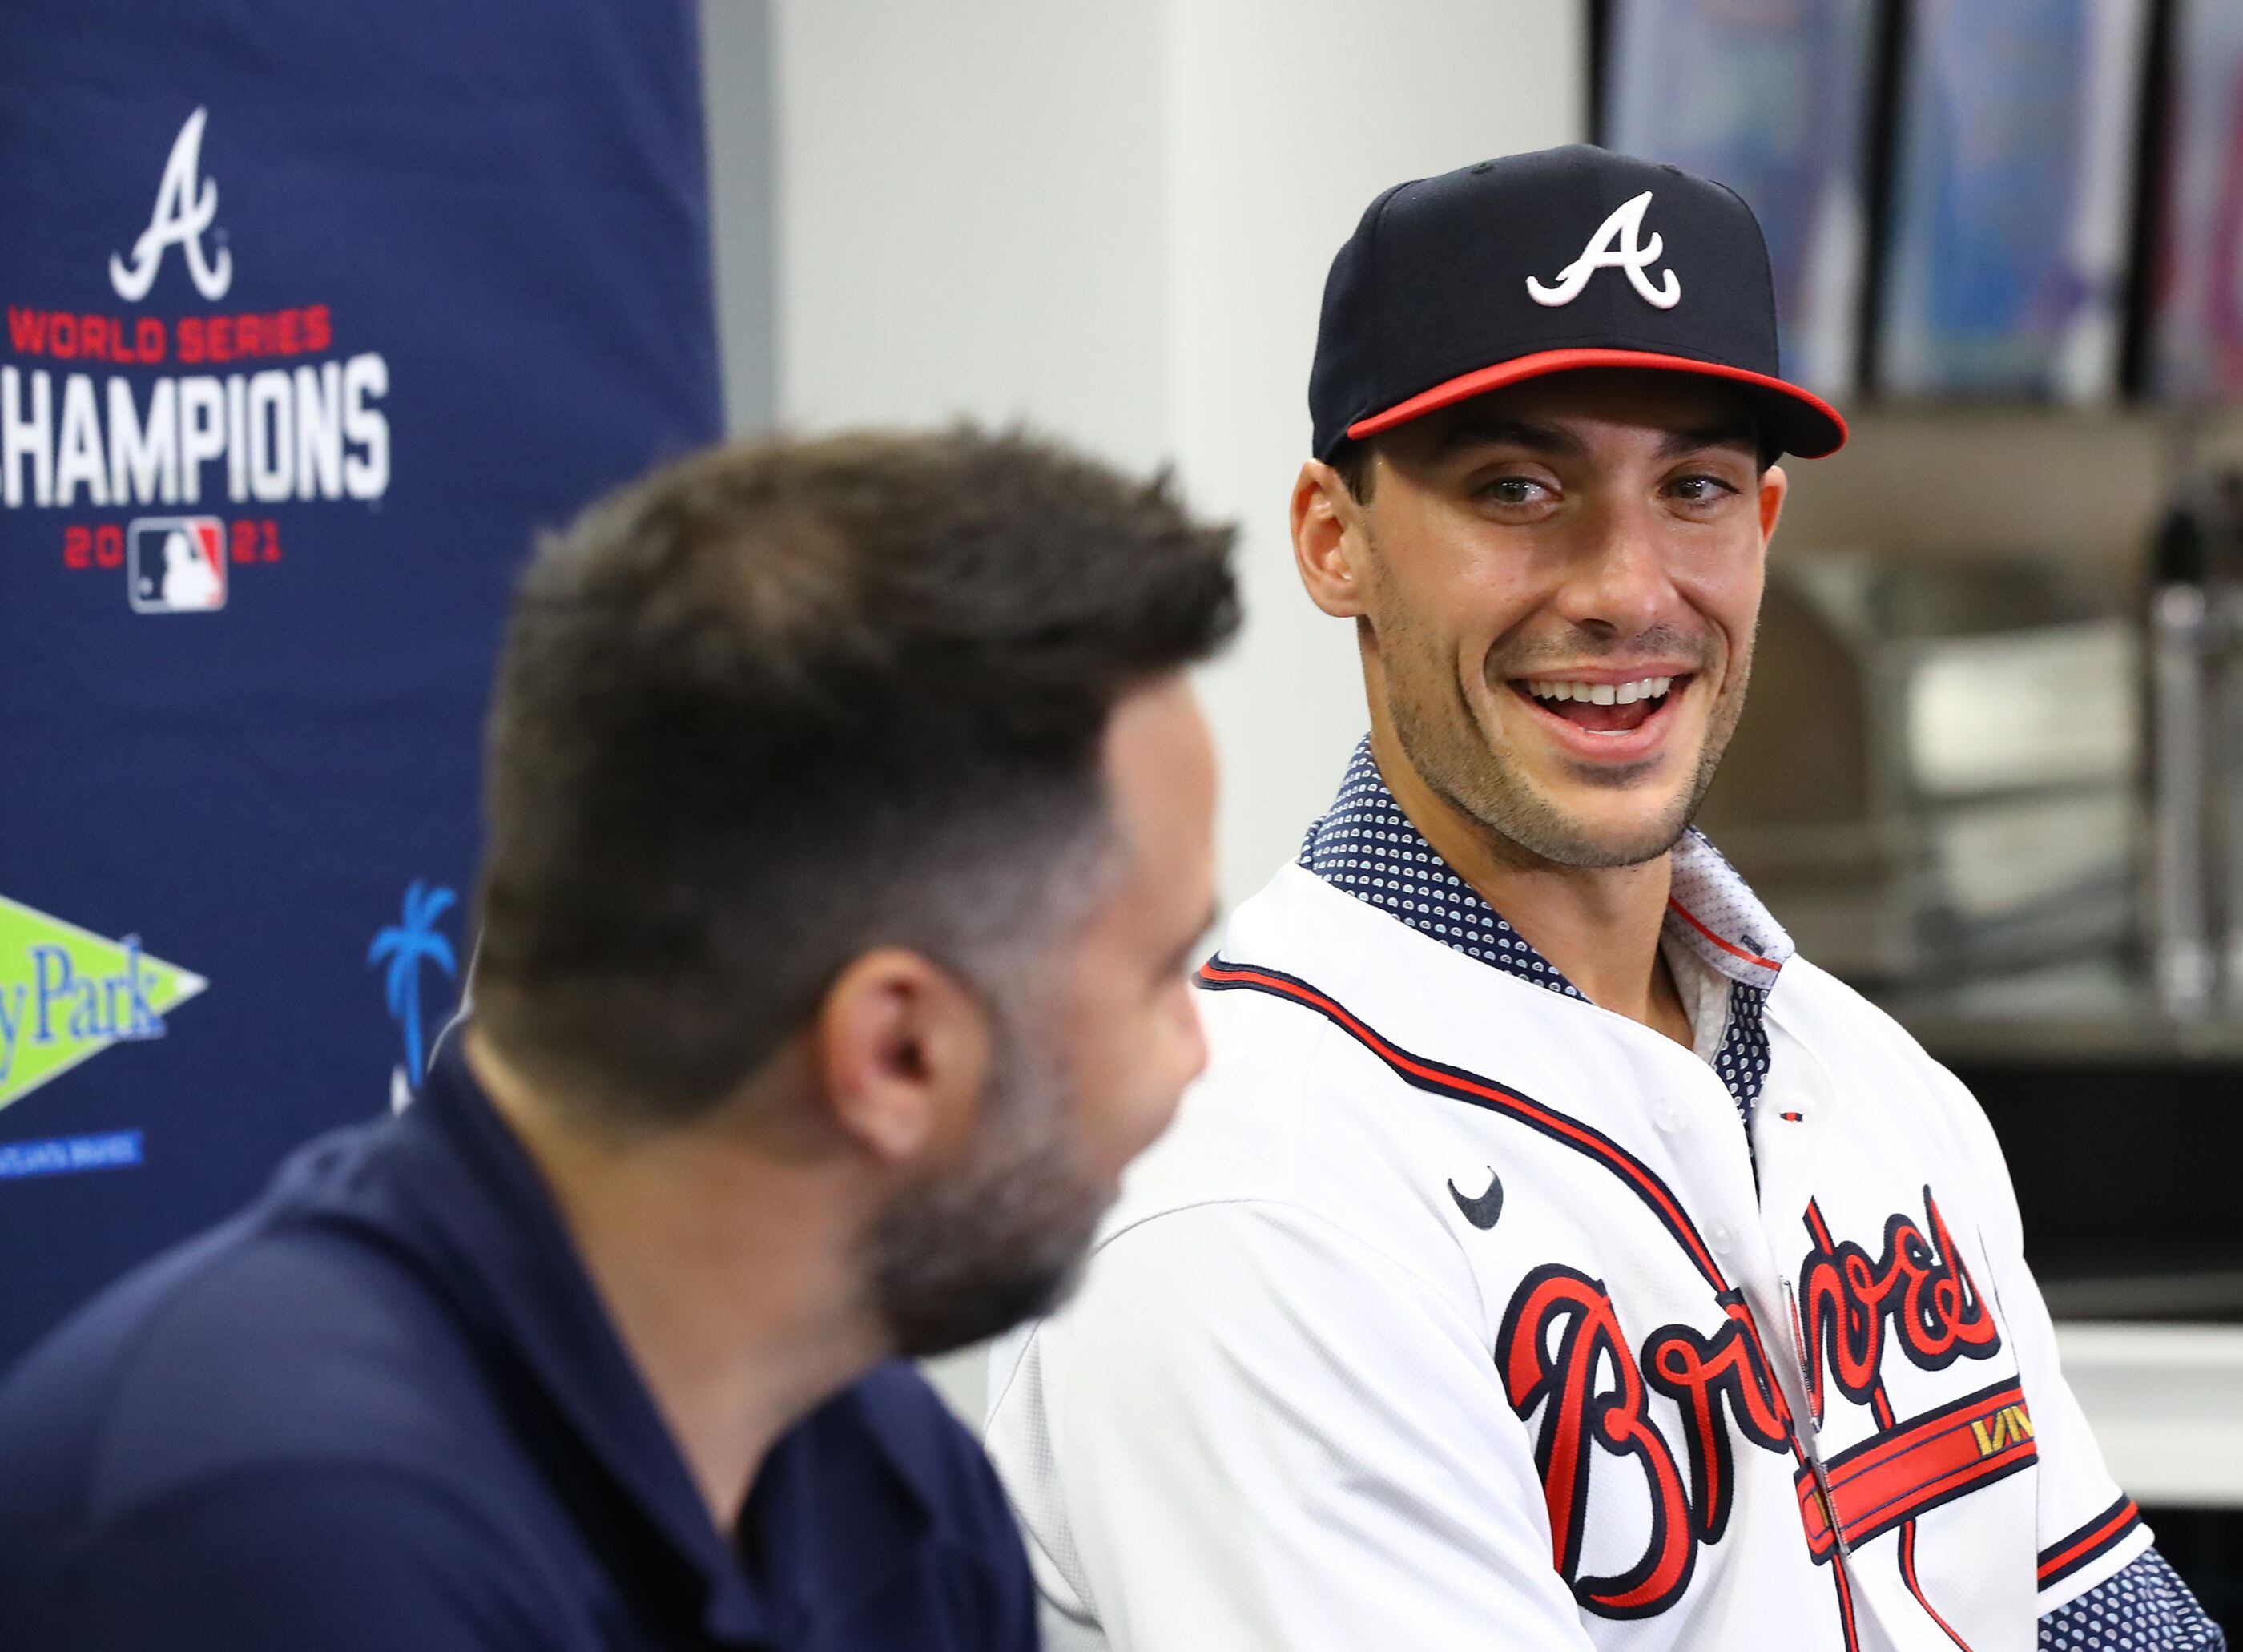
<point x="314" y="315"/>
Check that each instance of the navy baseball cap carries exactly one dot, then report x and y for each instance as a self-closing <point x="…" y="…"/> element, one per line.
<point x="1454" y="285"/>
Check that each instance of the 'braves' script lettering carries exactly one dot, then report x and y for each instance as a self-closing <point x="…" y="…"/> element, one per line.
<point x="1918" y="1288"/>
<point x="1562" y="1353"/>
<point x="1701" y="1374"/>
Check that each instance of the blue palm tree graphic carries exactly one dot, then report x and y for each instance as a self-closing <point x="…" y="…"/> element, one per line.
<point x="407" y="945"/>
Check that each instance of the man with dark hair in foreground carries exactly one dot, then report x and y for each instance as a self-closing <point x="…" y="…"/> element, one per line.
<point x="850" y="833"/>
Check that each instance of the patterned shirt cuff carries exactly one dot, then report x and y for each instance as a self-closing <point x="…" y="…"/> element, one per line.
<point x="2144" y="1607"/>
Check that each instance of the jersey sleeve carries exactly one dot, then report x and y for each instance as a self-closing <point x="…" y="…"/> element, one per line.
<point x="2088" y="1528"/>
<point x="339" y="1559"/>
<point x="1253" y="1431"/>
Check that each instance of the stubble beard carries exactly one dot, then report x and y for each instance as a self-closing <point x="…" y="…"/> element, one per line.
<point x="1465" y="763"/>
<point x="1001" y="1237"/>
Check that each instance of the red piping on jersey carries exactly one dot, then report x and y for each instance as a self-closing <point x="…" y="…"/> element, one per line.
<point x="1639" y="1176"/>
<point x="1690" y="919"/>
<point x="2104" y="1531"/>
<point x="1907" y="1577"/>
<point x="1846" y="1606"/>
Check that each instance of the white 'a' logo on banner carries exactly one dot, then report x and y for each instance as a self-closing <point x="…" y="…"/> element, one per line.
<point x="184" y="207"/>
<point x="1618" y="245"/>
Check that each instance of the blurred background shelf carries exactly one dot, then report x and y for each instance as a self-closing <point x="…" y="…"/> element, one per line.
<point x="2163" y="1401"/>
<point x="2096" y="1011"/>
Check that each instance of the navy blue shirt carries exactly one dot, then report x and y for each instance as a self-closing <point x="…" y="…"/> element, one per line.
<point x="382" y="1409"/>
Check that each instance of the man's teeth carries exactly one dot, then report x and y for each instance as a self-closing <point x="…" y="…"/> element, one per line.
<point x="1649" y="688"/>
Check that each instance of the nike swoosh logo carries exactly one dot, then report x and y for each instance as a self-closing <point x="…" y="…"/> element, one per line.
<point x="1482" y="1211"/>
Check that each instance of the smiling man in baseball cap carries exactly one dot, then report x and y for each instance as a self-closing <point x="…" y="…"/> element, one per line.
<point x="1550" y="1257"/>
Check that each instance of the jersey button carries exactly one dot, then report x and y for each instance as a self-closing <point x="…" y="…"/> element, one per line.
<point x="1722" y="1238"/>
<point x="1667" y="1114"/>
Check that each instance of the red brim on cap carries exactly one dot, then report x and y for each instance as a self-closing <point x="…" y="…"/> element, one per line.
<point x="1805" y="423"/>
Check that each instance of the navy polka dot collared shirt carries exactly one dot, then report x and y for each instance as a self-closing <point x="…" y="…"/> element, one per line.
<point x="1367" y="846"/>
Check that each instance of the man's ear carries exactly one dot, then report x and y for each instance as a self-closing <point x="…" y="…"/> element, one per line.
<point x="1330" y="539"/>
<point x="1774" y="486"/>
<point x="900" y="1051"/>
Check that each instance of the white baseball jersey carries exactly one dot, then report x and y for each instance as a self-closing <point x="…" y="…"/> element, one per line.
<point x="1456" y="1311"/>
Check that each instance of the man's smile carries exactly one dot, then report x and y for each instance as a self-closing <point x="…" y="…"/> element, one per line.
<point x="1606" y="714"/>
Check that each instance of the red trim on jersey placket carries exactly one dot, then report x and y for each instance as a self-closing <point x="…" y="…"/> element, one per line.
<point x="1908" y="1545"/>
<point x="1217" y="975"/>
<point x="1908" y="1575"/>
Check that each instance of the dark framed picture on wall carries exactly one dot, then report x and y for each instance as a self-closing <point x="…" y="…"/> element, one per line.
<point x="2012" y="210"/>
<point x="1774" y="99"/>
<point x="2197" y="284"/>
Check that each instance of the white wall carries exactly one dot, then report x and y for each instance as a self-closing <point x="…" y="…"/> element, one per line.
<point x="970" y="218"/>
<point x="1113" y="220"/>
<point x="736" y="85"/>
<point x="1284" y="121"/>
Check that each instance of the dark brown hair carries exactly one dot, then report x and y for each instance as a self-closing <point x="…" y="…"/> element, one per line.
<point x="780" y="704"/>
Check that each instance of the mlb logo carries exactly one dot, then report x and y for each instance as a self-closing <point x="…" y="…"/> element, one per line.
<point x="177" y="565"/>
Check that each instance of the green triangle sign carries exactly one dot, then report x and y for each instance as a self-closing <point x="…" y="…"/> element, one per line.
<point x="66" y="995"/>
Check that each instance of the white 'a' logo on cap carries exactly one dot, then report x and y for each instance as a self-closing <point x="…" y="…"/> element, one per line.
<point x="1618" y="245"/>
<point x="184" y="206"/>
